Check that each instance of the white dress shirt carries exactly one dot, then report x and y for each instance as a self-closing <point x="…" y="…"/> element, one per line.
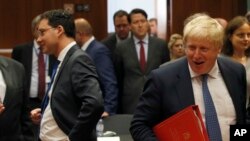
<point x="2" y="87"/>
<point x="145" y="46"/>
<point x="34" y="72"/>
<point x="49" y="130"/>
<point x="222" y="100"/>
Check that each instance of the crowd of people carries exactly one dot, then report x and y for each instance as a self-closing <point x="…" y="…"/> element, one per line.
<point x="59" y="85"/>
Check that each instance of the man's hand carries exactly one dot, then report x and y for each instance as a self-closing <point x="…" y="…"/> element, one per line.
<point x="105" y="114"/>
<point x="1" y="108"/>
<point x="35" y="115"/>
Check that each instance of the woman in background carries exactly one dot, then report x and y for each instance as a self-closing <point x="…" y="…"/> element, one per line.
<point x="236" y="44"/>
<point x="175" y="46"/>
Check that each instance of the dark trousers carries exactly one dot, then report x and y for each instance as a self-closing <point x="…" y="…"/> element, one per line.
<point x="35" y="103"/>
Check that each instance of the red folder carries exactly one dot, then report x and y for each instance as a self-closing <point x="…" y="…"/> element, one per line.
<point x="186" y="125"/>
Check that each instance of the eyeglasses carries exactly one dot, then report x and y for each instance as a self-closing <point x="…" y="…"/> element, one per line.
<point x="41" y="32"/>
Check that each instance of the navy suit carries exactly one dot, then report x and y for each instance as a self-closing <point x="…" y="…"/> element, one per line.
<point x="76" y="99"/>
<point x="169" y="90"/>
<point x="105" y="69"/>
<point x="15" y="124"/>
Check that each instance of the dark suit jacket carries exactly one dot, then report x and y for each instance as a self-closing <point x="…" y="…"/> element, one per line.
<point x="130" y="77"/>
<point x="15" y="124"/>
<point x="110" y="42"/>
<point x="23" y="54"/>
<point x="76" y="100"/>
<point x="169" y="90"/>
<point x="105" y="69"/>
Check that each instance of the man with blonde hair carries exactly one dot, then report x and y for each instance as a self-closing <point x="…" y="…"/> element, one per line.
<point x="194" y="80"/>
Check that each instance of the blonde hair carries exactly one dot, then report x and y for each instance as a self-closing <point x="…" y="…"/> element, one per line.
<point x="173" y="39"/>
<point x="204" y="28"/>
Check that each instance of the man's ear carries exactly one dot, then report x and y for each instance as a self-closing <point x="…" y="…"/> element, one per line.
<point x="60" y="30"/>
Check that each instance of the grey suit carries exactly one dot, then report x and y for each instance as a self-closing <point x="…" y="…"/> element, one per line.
<point x="76" y="99"/>
<point x="110" y="42"/>
<point x="130" y="77"/>
<point x="15" y="124"/>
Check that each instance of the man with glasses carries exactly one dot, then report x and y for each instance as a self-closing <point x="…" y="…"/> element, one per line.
<point x="73" y="104"/>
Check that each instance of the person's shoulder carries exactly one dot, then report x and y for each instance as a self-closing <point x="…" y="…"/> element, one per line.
<point x="228" y="61"/>
<point x="156" y="39"/>
<point x="99" y="44"/>
<point x="172" y="66"/>
<point x="23" y="45"/>
<point x="10" y="62"/>
<point x="125" y="42"/>
<point x="225" y="61"/>
<point x="171" y="62"/>
<point x="110" y="38"/>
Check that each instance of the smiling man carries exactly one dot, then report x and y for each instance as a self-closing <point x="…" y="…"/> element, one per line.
<point x="180" y="84"/>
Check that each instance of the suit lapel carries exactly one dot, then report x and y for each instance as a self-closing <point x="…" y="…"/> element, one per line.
<point x="150" y="55"/>
<point x="65" y="60"/>
<point x="132" y="52"/>
<point x="229" y="80"/>
<point x="184" y="86"/>
<point x="90" y="47"/>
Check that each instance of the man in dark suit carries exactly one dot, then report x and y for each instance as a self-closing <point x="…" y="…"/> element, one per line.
<point x="73" y="104"/>
<point x="179" y="84"/>
<point x="122" y="30"/>
<point x="130" y="75"/>
<point x="104" y="65"/>
<point x="15" y="124"/>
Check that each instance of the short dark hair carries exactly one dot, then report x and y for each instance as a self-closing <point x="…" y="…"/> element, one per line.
<point x="120" y="13"/>
<point x="137" y="11"/>
<point x="61" y="17"/>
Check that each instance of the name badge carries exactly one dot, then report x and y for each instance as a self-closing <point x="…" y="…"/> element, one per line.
<point x="48" y="79"/>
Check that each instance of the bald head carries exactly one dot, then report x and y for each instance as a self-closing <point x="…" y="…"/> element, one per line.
<point x="83" y="26"/>
<point x="83" y="31"/>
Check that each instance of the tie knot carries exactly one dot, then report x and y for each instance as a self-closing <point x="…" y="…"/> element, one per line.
<point x="204" y="77"/>
<point x="140" y="42"/>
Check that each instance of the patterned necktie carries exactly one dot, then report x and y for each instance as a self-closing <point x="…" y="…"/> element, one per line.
<point x="142" y="57"/>
<point x="212" y="123"/>
<point x="46" y="97"/>
<point x="41" y="75"/>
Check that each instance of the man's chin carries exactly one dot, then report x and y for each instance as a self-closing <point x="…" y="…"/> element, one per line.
<point x="198" y="69"/>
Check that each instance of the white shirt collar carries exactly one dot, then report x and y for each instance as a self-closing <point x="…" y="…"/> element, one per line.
<point x="145" y="39"/>
<point x="65" y="50"/>
<point x="86" y="44"/>
<point x="35" y="44"/>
